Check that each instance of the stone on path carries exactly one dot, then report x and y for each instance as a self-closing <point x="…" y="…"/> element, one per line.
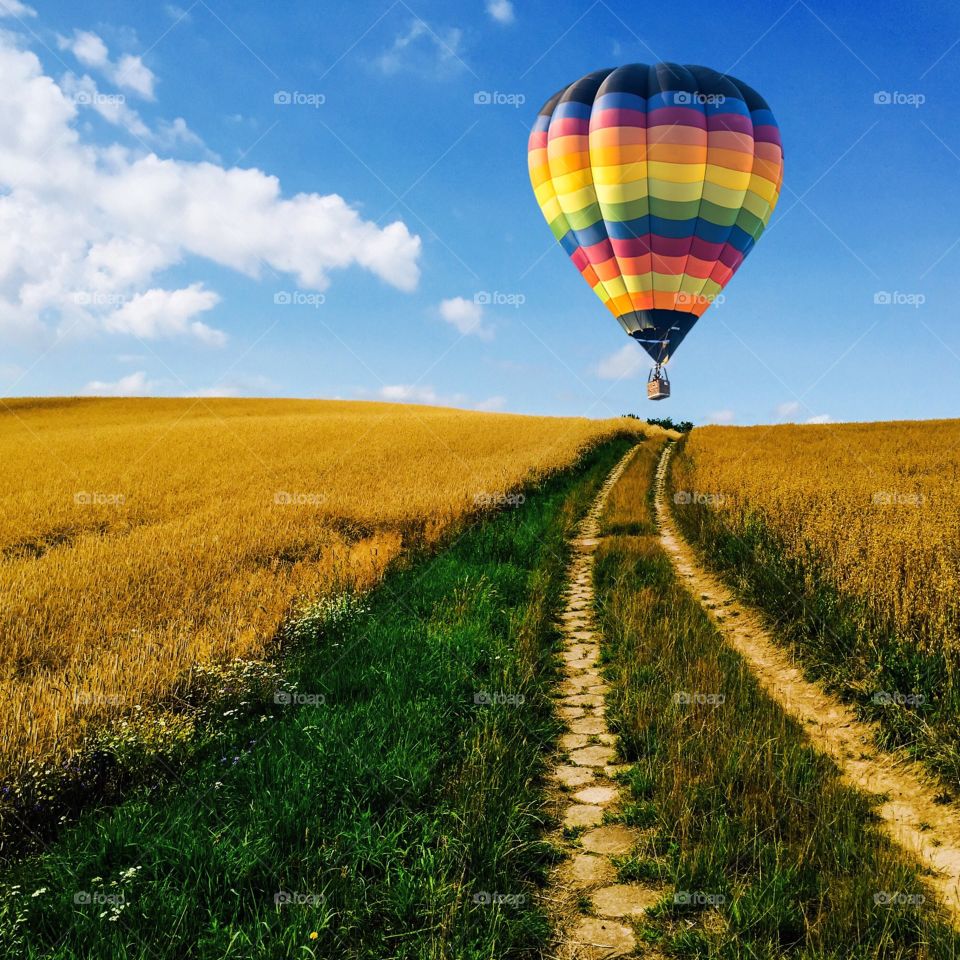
<point x="583" y="815"/>
<point x="572" y="777"/>
<point x="624" y="900"/>
<point x="586" y="869"/>
<point x="596" y="938"/>
<point x="614" y="840"/>
<point x="588" y="725"/>
<point x="596" y="756"/>
<point x="600" y="794"/>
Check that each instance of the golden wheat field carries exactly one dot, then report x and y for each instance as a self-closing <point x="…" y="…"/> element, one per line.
<point x="141" y="536"/>
<point x="875" y="507"/>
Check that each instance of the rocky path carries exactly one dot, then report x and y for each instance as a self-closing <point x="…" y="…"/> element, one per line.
<point x="592" y="911"/>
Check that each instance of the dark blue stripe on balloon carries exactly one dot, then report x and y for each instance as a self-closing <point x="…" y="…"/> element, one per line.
<point x="740" y="240"/>
<point x="620" y="101"/>
<point x="763" y="118"/>
<point x="592" y="234"/>
<point x="628" y="229"/>
<point x="569" y="243"/>
<point x="572" y="108"/>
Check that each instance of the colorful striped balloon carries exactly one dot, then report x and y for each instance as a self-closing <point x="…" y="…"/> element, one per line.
<point x="657" y="181"/>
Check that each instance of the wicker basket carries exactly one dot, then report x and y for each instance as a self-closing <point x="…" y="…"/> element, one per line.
<point x="658" y="389"/>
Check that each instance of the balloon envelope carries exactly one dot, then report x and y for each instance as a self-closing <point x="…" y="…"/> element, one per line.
<point x="657" y="181"/>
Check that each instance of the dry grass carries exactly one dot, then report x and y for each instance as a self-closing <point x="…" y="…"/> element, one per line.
<point x="140" y="537"/>
<point x="873" y="508"/>
<point x="629" y="507"/>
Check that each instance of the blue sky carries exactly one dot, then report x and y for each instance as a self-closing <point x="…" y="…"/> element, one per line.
<point x="305" y="199"/>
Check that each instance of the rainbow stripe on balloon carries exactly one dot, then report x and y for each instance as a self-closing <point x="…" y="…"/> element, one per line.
<point x="657" y="181"/>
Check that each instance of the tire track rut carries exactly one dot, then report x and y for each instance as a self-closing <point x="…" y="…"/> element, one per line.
<point x="908" y="811"/>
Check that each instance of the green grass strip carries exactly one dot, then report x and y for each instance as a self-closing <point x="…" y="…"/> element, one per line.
<point x="762" y="851"/>
<point x="394" y="808"/>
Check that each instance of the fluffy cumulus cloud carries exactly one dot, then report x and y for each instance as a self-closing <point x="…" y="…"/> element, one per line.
<point x="132" y="385"/>
<point x="86" y="228"/>
<point x="466" y="316"/>
<point x="821" y="418"/>
<point x="419" y="393"/>
<point x="14" y="8"/>
<point x="127" y="72"/>
<point x="164" y="313"/>
<point x="628" y="361"/>
<point x="788" y="409"/>
<point x="500" y="10"/>
<point x="408" y="393"/>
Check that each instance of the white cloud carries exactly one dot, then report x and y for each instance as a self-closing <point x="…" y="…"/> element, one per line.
<point x="425" y="50"/>
<point x="112" y="107"/>
<point x="409" y="393"/>
<point x="173" y="132"/>
<point x="85" y="228"/>
<point x="166" y="313"/>
<point x="87" y="47"/>
<point x="466" y="316"/>
<point x="500" y="10"/>
<point x="177" y="13"/>
<point x="128" y="73"/>
<point x="491" y="403"/>
<point x="133" y="74"/>
<point x="14" y="8"/>
<point x="821" y="418"/>
<point x="721" y="416"/>
<point x="628" y="361"/>
<point x="85" y="93"/>
<point x="417" y="393"/>
<point x="132" y="385"/>
<point x="789" y="408"/>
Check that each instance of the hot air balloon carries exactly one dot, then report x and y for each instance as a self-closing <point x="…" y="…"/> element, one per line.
<point x="657" y="181"/>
